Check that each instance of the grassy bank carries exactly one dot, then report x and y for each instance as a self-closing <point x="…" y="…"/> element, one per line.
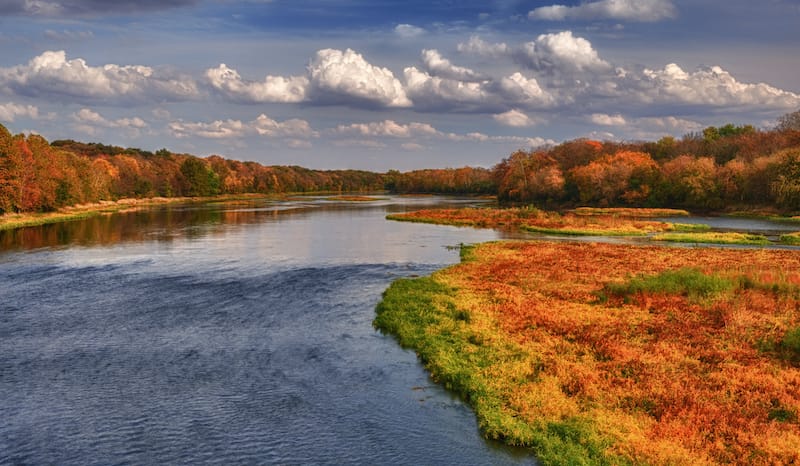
<point x="82" y="211"/>
<point x="539" y="221"/>
<point x="615" y="354"/>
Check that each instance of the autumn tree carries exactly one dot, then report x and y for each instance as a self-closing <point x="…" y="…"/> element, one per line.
<point x="690" y="181"/>
<point x="626" y="177"/>
<point x="198" y="178"/>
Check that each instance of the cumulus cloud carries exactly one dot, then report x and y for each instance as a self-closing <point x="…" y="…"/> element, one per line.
<point x="560" y="52"/>
<point x="514" y="118"/>
<point x="388" y="128"/>
<point x="440" y="66"/>
<point x="607" y="120"/>
<point x="521" y="142"/>
<point x="10" y="111"/>
<point x="711" y="86"/>
<point x="477" y="46"/>
<point x="434" y="92"/>
<point x="262" y="126"/>
<point x="376" y="134"/>
<point x="618" y="10"/>
<point x="52" y="75"/>
<point x="345" y="77"/>
<point x="518" y="88"/>
<point x="88" y="121"/>
<point x="408" y="31"/>
<point x="273" y="89"/>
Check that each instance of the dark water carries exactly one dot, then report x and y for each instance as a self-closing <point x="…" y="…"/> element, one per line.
<point x="224" y="334"/>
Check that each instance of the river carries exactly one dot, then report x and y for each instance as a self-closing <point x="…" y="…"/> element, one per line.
<point x="236" y="333"/>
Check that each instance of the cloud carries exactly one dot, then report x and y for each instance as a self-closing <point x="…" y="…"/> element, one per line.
<point x="10" y="111"/>
<point x="437" y="65"/>
<point x="518" y="88"/>
<point x="88" y="121"/>
<point x="477" y="46"/>
<point x="408" y="31"/>
<point x="514" y="118"/>
<point x="436" y="93"/>
<point x="618" y="10"/>
<point x="365" y="134"/>
<point x="710" y="86"/>
<point x="521" y="142"/>
<point x="560" y="52"/>
<point x="51" y="75"/>
<point x="607" y="120"/>
<point x="228" y="82"/>
<point x="345" y="77"/>
<point x="63" y="8"/>
<point x="433" y="93"/>
<point x="261" y="126"/>
<point x="388" y="128"/>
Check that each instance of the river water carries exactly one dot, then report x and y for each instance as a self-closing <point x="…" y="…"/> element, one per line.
<point x="225" y="334"/>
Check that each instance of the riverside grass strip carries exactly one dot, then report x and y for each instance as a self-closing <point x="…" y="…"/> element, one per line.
<point x="551" y="223"/>
<point x="615" y="354"/>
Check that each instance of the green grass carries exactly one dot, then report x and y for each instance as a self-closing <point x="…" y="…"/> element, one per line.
<point x="791" y="239"/>
<point x="581" y="232"/>
<point x="713" y="238"/>
<point x="689" y="227"/>
<point x="685" y="281"/>
<point x="12" y="222"/>
<point x="421" y="314"/>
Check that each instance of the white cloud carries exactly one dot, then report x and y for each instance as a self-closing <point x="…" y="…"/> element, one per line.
<point x="388" y="128"/>
<point x="412" y="146"/>
<point x="408" y="31"/>
<point x="518" y="88"/>
<point x="561" y="52"/>
<point x="433" y="92"/>
<point x="368" y="133"/>
<point x="272" y="89"/>
<point x="711" y="86"/>
<point x="620" y="10"/>
<point x="440" y="66"/>
<point x="436" y="94"/>
<point x="10" y="111"/>
<point x="477" y="46"/>
<point x="514" y="118"/>
<point x="368" y="143"/>
<point x="347" y="78"/>
<point x="262" y="126"/>
<point x="52" y="75"/>
<point x="607" y="120"/>
<point x="88" y="121"/>
<point x="521" y="142"/>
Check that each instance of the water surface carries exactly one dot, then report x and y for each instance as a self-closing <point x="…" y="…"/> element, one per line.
<point x="224" y="334"/>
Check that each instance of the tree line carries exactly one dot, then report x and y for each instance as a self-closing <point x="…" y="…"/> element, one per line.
<point x="719" y="167"/>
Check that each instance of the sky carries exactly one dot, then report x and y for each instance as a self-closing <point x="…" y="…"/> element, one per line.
<point x="340" y="84"/>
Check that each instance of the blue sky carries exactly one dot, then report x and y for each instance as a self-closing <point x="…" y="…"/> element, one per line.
<point x="391" y="84"/>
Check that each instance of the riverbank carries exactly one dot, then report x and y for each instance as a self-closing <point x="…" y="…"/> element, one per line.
<point x="81" y="211"/>
<point x="615" y="354"/>
<point x="595" y="222"/>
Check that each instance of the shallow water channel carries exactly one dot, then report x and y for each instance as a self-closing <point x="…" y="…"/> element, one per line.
<point x="225" y="334"/>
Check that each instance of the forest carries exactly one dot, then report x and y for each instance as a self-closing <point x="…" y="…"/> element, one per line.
<point x="719" y="168"/>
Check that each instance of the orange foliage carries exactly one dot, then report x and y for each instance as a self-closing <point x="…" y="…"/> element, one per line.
<point x="625" y="176"/>
<point x="670" y="379"/>
<point x="537" y="220"/>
